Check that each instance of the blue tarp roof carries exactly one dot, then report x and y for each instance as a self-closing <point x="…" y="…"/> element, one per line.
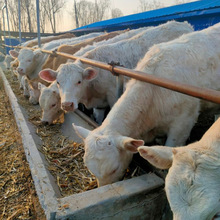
<point x="176" y="12"/>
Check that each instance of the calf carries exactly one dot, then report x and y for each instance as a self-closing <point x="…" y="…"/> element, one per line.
<point x="54" y="62"/>
<point x="13" y="66"/>
<point x="24" y="85"/>
<point x="33" y="43"/>
<point x="146" y="111"/>
<point x="70" y="41"/>
<point x="193" y="181"/>
<point x="50" y="103"/>
<point x="34" y="90"/>
<point x="123" y="36"/>
<point x="8" y="59"/>
<point x="30" y="62"/>
<point x="96" y="87"/>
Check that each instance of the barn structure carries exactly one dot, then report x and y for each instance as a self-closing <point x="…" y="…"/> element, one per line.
<point x="201" y="14"/>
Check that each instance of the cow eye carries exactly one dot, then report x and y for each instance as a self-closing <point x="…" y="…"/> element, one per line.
<point x="58" y="83"/>
<point x="29" y="61"/>
<point x="53" y="105"/>
<point x="79" y="82"/>
<point x="113" y="171"/>
<point x="109" y="143"/>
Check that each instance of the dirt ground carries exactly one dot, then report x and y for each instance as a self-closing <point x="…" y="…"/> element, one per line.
<point x="18" y="199"/>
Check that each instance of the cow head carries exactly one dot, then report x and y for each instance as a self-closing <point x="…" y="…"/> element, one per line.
<point x="34" y="92"/>
<point x="28" y="60"/>
<point x="193" y="181"/>
<point x="106" y="156"/>
<point x="49" y="101"/>
<point x="72" y="81"/>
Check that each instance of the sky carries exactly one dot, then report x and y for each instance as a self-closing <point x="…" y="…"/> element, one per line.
<point x="66" y="22"/>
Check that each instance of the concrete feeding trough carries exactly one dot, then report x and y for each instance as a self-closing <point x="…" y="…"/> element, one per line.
<point x="141" y="197"/>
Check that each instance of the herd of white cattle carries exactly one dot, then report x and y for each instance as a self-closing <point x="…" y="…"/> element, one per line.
<point x="144" y="112"/>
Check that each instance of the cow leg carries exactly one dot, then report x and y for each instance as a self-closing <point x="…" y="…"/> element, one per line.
<point x="180" y="128"/>
<point x="99" y="115"/>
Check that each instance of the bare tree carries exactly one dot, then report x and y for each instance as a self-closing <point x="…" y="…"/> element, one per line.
<point x="76" y="14"/>
<point x="28" y="6"/>
<point x="145" y="5"/>
<point x="43" y="15"/>
<point x="27" y="15"/>
<point x="116" y="12"/>
<point x="101" y="7"/>
<point x="13" y="14"/>
<point x="86" y="12"/>
<point x="53" y="7"/>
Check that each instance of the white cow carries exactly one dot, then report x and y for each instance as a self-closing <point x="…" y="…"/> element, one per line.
<point x="193" y="181"/>
<point x="6" y="62"/>
<point x="30" y="62"/>
<point x="50" y="103"/>
<point x="95" y="87"/>
<point x="70" y="41"/>
<point x="34" y="91"/>
<point x="25" y="44"/>
<point x="146" y="111"/>
<point x="24" y="85"/>
<point x="21" y="79"/>
<point x="13" y="68"/>
<point x="123" y="36"/>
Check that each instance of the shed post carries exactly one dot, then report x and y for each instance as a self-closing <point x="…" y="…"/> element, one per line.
<point x="3" y="16"/>
<point x="38" y="23"/>
<point x="9" y="34"/>
<point x="19" y="19"/>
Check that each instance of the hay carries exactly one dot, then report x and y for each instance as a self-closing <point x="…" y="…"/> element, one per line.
<point x="64" y="157"/>
<point x="18" y="198"/>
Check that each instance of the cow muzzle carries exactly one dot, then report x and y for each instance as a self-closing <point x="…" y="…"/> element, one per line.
<point x="20" y="71"/>
<point x="45" y="123"/>
<point x="67" y="106"/>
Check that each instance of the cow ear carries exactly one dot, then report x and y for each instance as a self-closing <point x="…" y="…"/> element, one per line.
<point x="41" y="86"/>
<point x="48" y="75"/>
<point x="131" y="144"/>
<point x="81" y="132"/>
<point x="13" y="53"/>
<point x="159" y="156"/>
<point x="90" y="73"/>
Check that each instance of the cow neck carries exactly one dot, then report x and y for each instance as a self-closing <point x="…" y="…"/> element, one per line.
<point x="128" y="116"/>
<point x="37" y="68"/>
<point x="91" y="93"/>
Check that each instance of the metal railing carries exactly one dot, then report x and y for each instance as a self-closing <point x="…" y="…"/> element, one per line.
<point x="202" y="93"/>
